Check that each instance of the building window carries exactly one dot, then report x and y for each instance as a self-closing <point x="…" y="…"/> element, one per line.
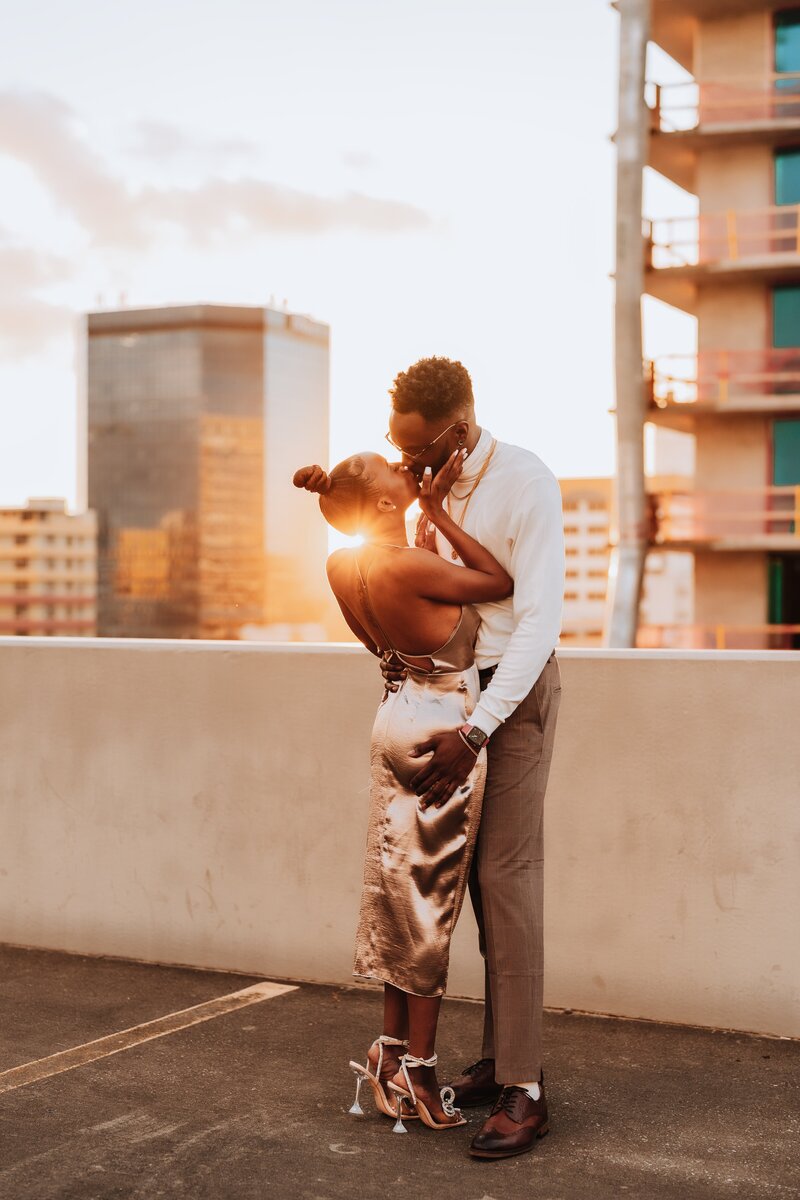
<point x="786" y="319"/>
<point x="787" y="177"/>
<point x="787" y="46"/>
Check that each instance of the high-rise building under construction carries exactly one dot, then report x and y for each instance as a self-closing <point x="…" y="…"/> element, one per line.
<point x="197" y="416"/>
<point x="728" y="133"/>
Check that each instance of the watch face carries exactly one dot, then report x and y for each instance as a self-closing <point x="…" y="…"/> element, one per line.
<point x="477" y="737"/>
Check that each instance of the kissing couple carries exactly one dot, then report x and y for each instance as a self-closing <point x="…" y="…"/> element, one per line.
<point x="465" y="623"/>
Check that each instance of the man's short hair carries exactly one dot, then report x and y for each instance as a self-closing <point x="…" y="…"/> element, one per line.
<point x="434" y="388"/>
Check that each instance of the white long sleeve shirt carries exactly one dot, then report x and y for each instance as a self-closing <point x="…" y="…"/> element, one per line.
<point x="516" y="513"/>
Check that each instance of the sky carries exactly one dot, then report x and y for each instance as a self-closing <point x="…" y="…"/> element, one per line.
<point x="428" y="178"/>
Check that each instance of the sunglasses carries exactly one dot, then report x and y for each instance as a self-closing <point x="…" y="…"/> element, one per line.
<point x="420" y="453"/>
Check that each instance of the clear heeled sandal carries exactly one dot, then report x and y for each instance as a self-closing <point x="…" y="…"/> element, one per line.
<point x="407" y="1094"/>
<point x="383" y="1103"/>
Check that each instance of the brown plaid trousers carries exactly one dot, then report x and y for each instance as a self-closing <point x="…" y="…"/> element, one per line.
<point x="506" y="880"/>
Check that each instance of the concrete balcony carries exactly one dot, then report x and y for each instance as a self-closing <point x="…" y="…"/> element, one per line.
<point x="766" y="518"/>
<point x="684" y="387"/>
<point x="205" y="804"/>
<point x="683" y="253"/>
<point x="675" y="22"/>
<point x="689" y="118"/>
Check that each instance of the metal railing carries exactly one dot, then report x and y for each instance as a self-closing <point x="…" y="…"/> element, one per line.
<point x="697" y="516"/>
<point x="678" y="107"/>
<point x="722" y="376"/>
<point x="730" y="236"/>
<point x="718" y="637"/>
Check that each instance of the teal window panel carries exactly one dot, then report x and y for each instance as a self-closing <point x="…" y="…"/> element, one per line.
<point x="775" y="591"/>
<point x="786" y="316"/>
<point x="786" y="453"/>
<point x="787" y="42"/>
<point x="787" y="176"/>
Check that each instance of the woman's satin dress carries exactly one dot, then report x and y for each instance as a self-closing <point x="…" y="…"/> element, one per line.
<point x="417" y="862"/>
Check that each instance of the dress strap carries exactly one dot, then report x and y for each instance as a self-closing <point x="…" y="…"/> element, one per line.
<point x="388" y="645"/>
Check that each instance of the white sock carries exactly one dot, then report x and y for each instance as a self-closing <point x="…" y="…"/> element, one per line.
<point x="533" y="1089"/>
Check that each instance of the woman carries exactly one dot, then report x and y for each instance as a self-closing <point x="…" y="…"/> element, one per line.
<point x="399" y="601"/>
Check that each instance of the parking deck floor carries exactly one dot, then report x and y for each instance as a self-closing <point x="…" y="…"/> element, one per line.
<point x="246" y="1097"/>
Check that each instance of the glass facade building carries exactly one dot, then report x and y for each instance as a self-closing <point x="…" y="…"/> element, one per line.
<point x="190" y="435"/>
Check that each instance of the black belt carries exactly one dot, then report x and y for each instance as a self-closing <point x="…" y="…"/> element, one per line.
<point x="486" y="673"/>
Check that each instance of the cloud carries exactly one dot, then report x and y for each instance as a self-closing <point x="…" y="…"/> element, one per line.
<point x="27" y="322"/>
<point x="220" y="205"/>
<point x="45" y="135"/>
<point x="41" y="132"/>
<point x="162" y="142"/>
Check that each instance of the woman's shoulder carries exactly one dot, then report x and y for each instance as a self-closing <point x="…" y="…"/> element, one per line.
<point x="340" y="561"/>
<point x="410" y="564"/>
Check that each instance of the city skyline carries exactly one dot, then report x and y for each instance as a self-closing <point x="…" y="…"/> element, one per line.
<point x="392" y="198"/>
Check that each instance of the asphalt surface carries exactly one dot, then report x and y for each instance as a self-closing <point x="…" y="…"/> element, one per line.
<point x="253" y="1103"/>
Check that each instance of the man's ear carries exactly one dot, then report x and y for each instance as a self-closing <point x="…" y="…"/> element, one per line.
<point x="462" y="432"/>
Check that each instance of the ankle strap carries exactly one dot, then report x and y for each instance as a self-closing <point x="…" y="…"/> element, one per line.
<point x="380" y="1042"/>
<point x="413" y="1061"/>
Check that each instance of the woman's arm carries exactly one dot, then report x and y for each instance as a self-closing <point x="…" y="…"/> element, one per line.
<point x="482" y="577"/>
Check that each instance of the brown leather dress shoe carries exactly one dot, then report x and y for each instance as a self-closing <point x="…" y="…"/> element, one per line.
<point x="513" y="1125"/>
<point x="476" y="1085"/>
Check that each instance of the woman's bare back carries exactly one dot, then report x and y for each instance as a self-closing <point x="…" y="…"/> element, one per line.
<point x="377" y="587"/>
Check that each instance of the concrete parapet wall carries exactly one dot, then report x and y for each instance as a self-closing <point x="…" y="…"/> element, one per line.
<point x="205" y="803"/>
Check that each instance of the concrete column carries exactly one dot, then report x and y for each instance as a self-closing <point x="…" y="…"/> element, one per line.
<point x="627" y="558"/>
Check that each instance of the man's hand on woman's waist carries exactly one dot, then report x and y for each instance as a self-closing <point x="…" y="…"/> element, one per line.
<point x="439" y="778"/>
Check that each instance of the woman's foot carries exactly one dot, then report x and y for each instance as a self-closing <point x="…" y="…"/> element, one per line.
<point x="390" y="1061"/>
<point x="427" y="1089"/>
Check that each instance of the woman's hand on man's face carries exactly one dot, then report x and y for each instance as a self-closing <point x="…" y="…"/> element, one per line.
<point x="433" y="489"/>
<point x="425" y="537"/>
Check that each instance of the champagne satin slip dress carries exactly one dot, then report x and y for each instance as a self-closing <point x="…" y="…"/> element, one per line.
<point x="417" y="862"/>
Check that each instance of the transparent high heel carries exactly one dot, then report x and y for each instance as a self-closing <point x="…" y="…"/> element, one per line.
<point x="384" y="1103"/>
<point x="447" y="1096"/>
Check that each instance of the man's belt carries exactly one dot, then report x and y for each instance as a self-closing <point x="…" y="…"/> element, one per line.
<point x="486" y="673"/>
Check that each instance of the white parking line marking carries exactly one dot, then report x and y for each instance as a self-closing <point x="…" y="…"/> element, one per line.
<point x="66" y="1060"/>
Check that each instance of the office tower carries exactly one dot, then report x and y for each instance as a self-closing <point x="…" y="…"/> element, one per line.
<point x="197" y="416"/>
<point x="48" y="570"/>
<point x="731" y="138"/>
<point x="589" y="522"/>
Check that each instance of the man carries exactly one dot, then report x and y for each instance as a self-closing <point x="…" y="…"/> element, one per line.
<point x="510" y="501"/>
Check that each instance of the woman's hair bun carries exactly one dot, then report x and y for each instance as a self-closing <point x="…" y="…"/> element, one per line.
<point x="302" y="479"/>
